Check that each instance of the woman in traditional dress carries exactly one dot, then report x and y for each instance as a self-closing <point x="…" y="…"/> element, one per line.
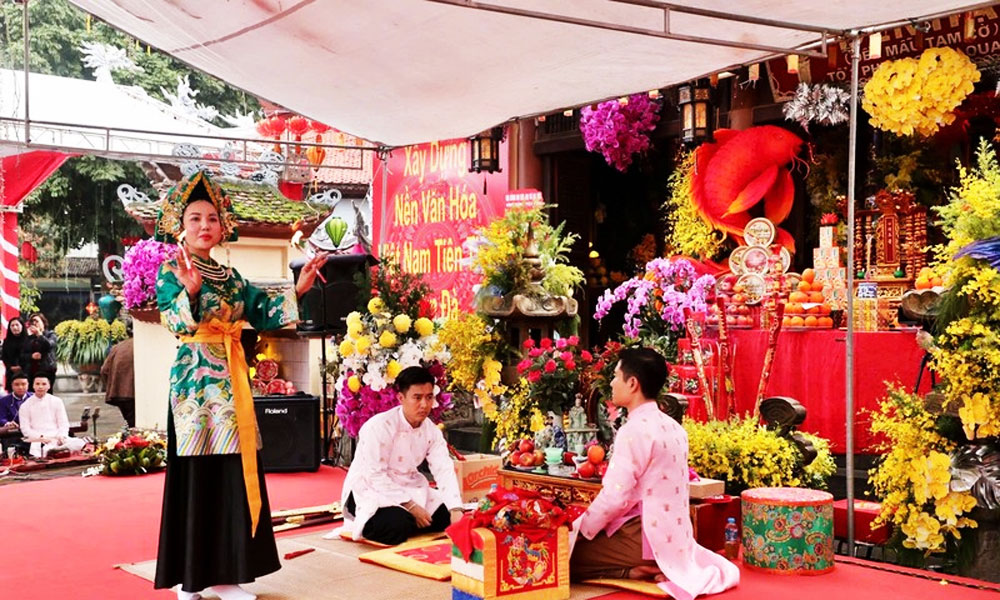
<point x="215" y="529"/>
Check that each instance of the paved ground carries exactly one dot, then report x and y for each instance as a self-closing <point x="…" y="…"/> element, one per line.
<point x="109" y="421"/>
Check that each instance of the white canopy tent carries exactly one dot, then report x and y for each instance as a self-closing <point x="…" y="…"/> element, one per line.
<point x="407" y="71"/>
<point x="400" y="72"/>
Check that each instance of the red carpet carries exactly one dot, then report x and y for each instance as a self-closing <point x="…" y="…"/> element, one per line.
<point x="62" y="537"/>
<point x="851" y="580"/>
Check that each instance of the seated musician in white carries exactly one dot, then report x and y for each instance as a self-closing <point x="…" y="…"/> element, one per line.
<point x="43" y="419"/>
<point x="385" y="498"/>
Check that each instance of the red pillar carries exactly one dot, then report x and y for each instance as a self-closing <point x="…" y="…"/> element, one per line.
<point x="11" y="280"/>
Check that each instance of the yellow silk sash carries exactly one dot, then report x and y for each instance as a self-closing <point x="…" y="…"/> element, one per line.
<point x="220" y="332"/>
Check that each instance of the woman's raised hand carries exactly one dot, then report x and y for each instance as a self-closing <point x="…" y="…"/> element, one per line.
<point x="187" y="274"/>
<point x="308" y="274"/>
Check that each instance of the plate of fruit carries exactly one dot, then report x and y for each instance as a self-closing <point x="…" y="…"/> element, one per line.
<point x="592" y="465"/>
<point x="524" y="456"/>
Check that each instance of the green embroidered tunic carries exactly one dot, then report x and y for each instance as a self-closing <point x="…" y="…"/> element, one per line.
<point x="201" y="392"/>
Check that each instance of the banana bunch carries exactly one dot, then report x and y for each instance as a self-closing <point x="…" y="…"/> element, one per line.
<point x="335" y="229"/>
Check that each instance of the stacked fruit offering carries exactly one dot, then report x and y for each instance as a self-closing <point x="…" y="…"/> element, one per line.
<point x="738" y="313"/>
<point x="806" y="306"/>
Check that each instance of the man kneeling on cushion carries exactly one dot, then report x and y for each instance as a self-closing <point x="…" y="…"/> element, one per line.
<point x="638" y="526"/>
<point x="385" y="498"/>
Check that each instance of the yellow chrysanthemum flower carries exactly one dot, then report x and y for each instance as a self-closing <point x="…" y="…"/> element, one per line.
<point x="392" y="369"/>
<point x="401" y="323"/>
<point x="362" y="344"/>
<point x="424" y="326"/>
<point x="375" y="305"/>
<point x="346" y="348"/>
<point x="387" y="339"/>
<point x="353" y="383"/>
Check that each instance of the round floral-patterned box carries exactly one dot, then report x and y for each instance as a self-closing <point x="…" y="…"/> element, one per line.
<point x="788" y="530"/>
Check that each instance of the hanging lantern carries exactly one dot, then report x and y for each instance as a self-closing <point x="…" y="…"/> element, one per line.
<point x="693" y="100"/>
<point x="484" y="151"/>
<point x="264" y="128"/>
<point x="315" y="155"/>
<point x="319" y="127"/>
<point x="297" y="126"/>
<point x="91" y="308"/>
<point x="278" y="126"/>
<point x="28" y="252"/>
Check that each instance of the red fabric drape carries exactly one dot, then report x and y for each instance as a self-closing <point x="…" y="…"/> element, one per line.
<point x="22" y="173"/>
<point x="810" y="366"/>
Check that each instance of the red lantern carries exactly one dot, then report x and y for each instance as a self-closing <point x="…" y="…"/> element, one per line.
<point x="28" y="252"/>
<point x="278" y="125"/>
<point x="297" y="126"/>
<point x="319" y="127"/>
<point x="264" y="127"/>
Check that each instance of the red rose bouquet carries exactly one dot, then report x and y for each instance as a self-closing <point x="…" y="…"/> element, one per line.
<point x="552" y="369"/>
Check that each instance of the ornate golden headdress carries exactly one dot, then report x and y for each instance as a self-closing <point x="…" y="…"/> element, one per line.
<point x="198" y="186"/>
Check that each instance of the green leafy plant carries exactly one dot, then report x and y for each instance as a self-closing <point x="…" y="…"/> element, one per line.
<point x="87" y="342"/>
<point x="502" y="246"/>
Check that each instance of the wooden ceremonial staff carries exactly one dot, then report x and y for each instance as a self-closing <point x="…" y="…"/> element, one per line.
<point x="694" y="329"/>
<point x="772" y="343"/>
<point x="294" y="518"/>
<point x="727" y="367"/>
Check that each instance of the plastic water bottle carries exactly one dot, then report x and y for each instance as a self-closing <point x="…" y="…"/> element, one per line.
<point x="732" y="533"/>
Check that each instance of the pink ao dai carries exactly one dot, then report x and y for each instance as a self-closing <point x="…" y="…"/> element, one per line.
<point x="648" y="475"/>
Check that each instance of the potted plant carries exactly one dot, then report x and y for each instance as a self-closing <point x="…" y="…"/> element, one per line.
<point x="85" y="344"/>
<point x="140" y="267"/>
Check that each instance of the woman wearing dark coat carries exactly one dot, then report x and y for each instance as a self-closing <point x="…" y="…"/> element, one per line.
<point x="13" y="343"/>
<point x="38" y="354"/>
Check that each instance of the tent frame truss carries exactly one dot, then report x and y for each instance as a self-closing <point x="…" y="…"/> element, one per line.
<point x="665" y="31"/>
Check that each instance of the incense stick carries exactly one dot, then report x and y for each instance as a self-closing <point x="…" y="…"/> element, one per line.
<point x="772" y="343"/>
<point x="180" y="245"/>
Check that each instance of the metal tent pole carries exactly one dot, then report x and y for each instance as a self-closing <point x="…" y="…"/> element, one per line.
<point x="27" y="71"/>
<point x="852" y="145"/>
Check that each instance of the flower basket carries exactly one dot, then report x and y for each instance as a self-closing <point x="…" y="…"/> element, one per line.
<point x="133" y="452"/>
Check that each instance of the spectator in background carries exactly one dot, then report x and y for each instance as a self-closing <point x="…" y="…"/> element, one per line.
<point x="36" y="351"/>
<point x="13" y="342"/>
<point x="43" y="420"/>
<point x="9" y="406"/>
<point x="42" y="325"/>
<point x="118" y="372"/>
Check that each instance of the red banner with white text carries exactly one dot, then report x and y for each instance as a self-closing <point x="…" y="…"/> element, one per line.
<point x="432" y="205"/>
<point x="978" y="38"/>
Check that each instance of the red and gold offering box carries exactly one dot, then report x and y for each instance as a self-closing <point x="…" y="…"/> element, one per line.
<point x="788" y="530"/>
<point x="476" y="474"/>
<point x="511" y="566"/>
<point x="864" y="513"/>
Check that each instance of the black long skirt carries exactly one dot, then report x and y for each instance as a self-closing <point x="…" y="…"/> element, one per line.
<point x="205" y="524"/>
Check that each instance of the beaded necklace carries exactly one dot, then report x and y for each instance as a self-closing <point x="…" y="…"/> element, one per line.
<point x="210" y="270"/>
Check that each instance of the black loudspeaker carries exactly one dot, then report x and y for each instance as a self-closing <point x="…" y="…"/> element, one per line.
<point x="289" y="428"/>
<point x="324" y="307"/>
